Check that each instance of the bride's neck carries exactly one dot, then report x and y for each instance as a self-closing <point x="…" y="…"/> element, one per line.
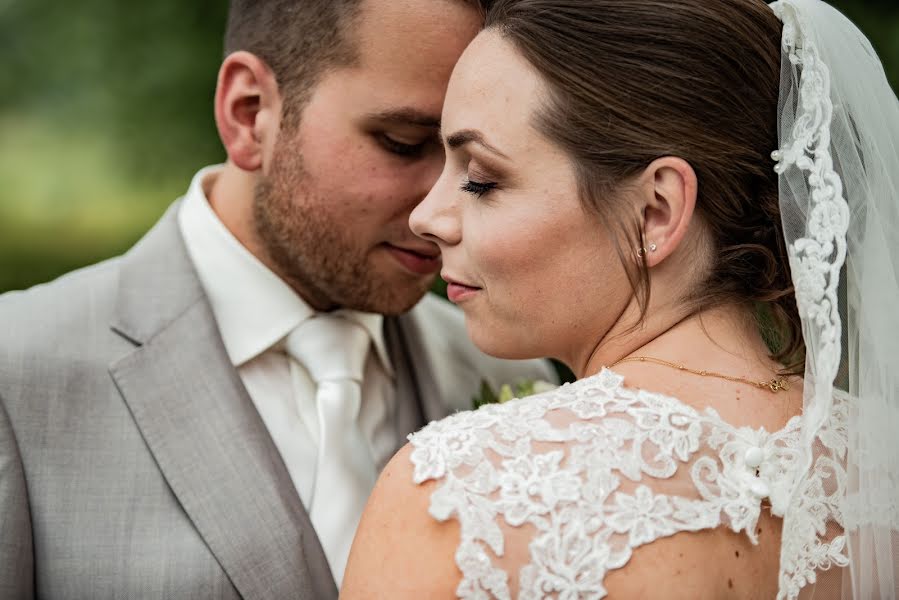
<point x="724" y="336"/>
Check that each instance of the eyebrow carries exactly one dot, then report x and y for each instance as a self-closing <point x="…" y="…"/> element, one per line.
<point x="407" y="116"/>
<point x="465" y="136"/>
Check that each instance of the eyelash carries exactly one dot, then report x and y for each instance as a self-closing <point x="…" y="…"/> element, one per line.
<point x="478" y="188"/>
<point x="399" y="148"/>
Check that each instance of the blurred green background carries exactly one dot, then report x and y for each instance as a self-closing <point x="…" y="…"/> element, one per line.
<point x="106" y="113"/>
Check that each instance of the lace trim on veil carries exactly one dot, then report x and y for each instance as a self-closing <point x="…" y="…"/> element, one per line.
<point x="809" y="543"/>
<point x="816" y="260"/>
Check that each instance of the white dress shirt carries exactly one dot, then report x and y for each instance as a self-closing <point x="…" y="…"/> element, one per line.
<point x="255" y="310"/>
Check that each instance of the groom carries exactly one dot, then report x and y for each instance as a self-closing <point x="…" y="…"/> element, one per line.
<point x="203" y="416"/>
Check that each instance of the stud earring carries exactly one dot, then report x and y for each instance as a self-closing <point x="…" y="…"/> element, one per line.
<point x="653" y="247"/>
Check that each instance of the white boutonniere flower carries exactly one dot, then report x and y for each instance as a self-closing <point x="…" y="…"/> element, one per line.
<point x="520" y="389"/>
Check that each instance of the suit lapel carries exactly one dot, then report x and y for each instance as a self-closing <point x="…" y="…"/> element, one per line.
<point x="203" y="430"/>
<point x="417" y="376"/>
<point x="409" y="414"/>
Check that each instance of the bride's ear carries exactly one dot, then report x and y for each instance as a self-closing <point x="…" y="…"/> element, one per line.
<point x="247" y="109"/>
<point x="668" y="199"/>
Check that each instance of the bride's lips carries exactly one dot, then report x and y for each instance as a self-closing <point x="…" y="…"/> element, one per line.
<point x="457" y="291"/>
<point x="420" y="260"/>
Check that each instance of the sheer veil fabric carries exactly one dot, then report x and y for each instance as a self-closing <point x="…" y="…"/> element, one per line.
<point x="839" y="196"/>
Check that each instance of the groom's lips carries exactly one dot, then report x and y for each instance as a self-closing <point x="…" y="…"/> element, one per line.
<point x="420" y="260"/>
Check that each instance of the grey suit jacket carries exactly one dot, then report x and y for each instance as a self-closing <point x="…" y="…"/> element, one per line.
<point x="133" y="463"/>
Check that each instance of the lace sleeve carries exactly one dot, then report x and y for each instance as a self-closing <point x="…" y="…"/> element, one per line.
<point x="596" y="470"/>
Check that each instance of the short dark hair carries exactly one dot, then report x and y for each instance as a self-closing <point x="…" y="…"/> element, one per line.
<point x="631" y="81"/>
<point x="298" y="39"/>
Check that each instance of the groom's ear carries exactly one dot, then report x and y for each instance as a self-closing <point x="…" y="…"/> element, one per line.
<point x="247" y="109"/>
<point x="668" y="196"/>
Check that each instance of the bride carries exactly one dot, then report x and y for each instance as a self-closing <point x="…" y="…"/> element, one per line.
<point x="610" y="198"/>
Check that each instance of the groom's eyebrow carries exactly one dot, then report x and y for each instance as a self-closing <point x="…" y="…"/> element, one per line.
<point x="465" y="136"/>
<point x="407" y="116"/>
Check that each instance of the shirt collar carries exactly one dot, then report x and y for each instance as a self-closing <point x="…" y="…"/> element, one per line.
<point x="254" y="308"/>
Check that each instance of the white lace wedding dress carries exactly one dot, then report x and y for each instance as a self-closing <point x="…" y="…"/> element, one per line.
<point x="600" y="469"/>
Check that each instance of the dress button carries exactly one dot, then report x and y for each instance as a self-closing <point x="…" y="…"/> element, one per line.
<point x="760" y="489"/>
<point x="754" y="458"/>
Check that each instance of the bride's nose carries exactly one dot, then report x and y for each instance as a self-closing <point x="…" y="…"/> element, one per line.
<point x="437" y="218"/>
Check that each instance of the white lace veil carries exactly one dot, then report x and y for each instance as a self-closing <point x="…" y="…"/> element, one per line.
<point x="839" y="198"/>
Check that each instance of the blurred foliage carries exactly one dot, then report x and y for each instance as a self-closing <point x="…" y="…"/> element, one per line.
<point x="106" y="112"/>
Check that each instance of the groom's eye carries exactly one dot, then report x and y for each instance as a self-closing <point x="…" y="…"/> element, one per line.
<point x="399" y="148"/>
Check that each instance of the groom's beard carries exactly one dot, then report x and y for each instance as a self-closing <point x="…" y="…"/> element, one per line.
<point x="317" y="251"/>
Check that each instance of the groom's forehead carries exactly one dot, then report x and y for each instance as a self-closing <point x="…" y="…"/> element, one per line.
<point x="403" y="35"/>
<point x="406" y="51"/>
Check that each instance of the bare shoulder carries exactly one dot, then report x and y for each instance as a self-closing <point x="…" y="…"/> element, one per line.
<point x="401" y="551"/>
<point x="713" y="563"/>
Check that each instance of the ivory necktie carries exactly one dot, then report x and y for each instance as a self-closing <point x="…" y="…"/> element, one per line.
<point x="333" y="350"/>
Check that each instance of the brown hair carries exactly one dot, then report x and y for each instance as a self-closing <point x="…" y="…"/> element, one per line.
<point x="630" y="81"/>
<point x="299" y="40"/>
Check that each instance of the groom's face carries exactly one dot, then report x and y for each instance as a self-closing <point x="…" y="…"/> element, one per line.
<point x="333" y="209"/>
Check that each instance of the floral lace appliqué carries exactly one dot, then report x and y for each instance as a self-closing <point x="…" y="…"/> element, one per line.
<point x="597" y="470"/>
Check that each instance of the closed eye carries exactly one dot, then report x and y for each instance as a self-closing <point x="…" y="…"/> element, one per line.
<point x="399" y="148"/>
<point x="478" y="188"/>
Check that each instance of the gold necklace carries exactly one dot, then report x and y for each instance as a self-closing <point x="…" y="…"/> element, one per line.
<point x="775" y="385"/>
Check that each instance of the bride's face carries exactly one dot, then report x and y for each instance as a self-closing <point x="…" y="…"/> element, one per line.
<point x="534" y="272"/>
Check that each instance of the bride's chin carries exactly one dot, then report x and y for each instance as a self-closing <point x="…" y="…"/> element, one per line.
<point x="499" y="343"/>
